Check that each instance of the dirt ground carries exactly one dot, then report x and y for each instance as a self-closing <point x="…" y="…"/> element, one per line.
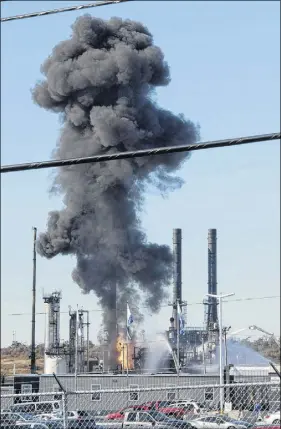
<point x="19" y="365"/>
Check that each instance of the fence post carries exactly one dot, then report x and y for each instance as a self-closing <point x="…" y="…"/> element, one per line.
<point x="64" y="409"/>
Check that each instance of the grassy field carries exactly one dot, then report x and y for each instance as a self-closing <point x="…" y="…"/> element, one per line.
<point x="19" y="364"/>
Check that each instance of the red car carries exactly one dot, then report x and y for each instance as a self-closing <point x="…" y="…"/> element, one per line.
<point x="165" y="408"/>
<point x="119" y="415"/>
<point x="161" y="406"/>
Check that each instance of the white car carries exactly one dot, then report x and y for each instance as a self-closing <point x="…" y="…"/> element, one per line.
<point x="219" y="422"/>
<point x="188" y="406"/>
<point x="46" y="417"/>
<point x="73" y="415"/>
<point x="271" y="419"/>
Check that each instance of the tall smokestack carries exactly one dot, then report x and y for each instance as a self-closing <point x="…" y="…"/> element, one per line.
<point x="177" y="281"/>
<point x="212" y="278"/>
<point x="33" y="345"/>
<point x="177" y="264"/>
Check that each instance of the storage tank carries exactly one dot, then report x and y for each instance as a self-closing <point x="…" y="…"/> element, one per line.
<point x="55" y="364"/>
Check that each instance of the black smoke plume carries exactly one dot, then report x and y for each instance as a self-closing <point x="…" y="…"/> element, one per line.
<point x="102" y="81"/>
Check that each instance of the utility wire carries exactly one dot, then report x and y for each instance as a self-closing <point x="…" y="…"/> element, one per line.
<point x="162" y="306"/>
<point x="64" y="9"/>
<point x="141" y="153"/>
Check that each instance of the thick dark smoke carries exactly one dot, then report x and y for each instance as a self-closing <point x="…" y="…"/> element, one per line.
<point x="102" y="81"/>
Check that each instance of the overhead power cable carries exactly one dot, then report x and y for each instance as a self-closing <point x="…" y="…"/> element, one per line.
<point x="140" y="153"/>
<point x="162" y="306"/>
<point x="63" y="9"/>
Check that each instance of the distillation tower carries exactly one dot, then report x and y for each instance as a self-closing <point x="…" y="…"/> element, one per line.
<point x="71" y="357"/>
<point x="78" y="344"/>
<point x="55" y="360"/>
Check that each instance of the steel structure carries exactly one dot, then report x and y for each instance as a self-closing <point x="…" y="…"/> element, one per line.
<point x="72" y="340"/>
<point x="212" y="314"/>
<point x="33" y="322"/>
<point x="176" y="339"/>
<point x="211" y="303"/>
<point x="52" y="340"/>
<point x="177" y="271"/>
<point x="177" y="238"/>
<point x="78" y="344"/>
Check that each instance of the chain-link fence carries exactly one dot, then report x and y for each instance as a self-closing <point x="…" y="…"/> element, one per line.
<point x="244" y="405"/>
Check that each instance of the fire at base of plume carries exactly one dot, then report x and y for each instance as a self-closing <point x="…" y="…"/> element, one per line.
<point x="102" y="81"/>
<point x="125" y="352"/>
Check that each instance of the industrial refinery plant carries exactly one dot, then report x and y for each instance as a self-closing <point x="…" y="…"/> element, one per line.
<point x="181" y="348"/>
<point x="70" y="356"/>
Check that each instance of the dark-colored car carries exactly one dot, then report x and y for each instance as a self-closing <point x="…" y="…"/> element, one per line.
<point x="263" y="426"/>
<point x="9" y="424"/>
<point x="10" y="420"/>
<point x="71" y="424"/>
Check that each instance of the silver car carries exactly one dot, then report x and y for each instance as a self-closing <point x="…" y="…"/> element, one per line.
<point x="219" y="422"/>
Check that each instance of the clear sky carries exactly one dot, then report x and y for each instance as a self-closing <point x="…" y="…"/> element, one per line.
<point x="225" y="66"/>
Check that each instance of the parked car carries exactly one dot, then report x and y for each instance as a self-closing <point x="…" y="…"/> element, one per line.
<point x="13" y="425"/>
<point x="164" y="407"/>
<point x="74" y="415"/>
<point x="99" y="416"/>
<point x="271" y="419"/>
<point x="219" y="422"/>
<point x="188" y="407"/>
<point x="119" y="415"/>
<point x="71" y="424"/>
<point x="43" y="407"/>
<point x="263" y="426"/>
<point x="52" y="424"/>
<point x="14" y="421"/>
<point x="16" y="417"/>
<point x="152" y="418"/>
<point x="45" y="417"/>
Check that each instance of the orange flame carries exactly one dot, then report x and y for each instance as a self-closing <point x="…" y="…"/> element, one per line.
<point x="125" y="352"/>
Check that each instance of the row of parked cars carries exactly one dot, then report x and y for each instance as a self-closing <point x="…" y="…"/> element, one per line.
<point x="181" y="414"/>
<point x="133" y="418"/>
<point x="187" y="410"/>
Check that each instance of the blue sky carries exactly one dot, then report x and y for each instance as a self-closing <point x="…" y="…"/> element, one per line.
<point x="225" y="66"/>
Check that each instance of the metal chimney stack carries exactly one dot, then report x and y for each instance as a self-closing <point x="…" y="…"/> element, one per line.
<point x="212" y="319"/>
<point x="177" y="275"/>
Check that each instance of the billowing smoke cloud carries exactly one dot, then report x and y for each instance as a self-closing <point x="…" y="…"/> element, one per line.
<point x="102" y="81"/>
